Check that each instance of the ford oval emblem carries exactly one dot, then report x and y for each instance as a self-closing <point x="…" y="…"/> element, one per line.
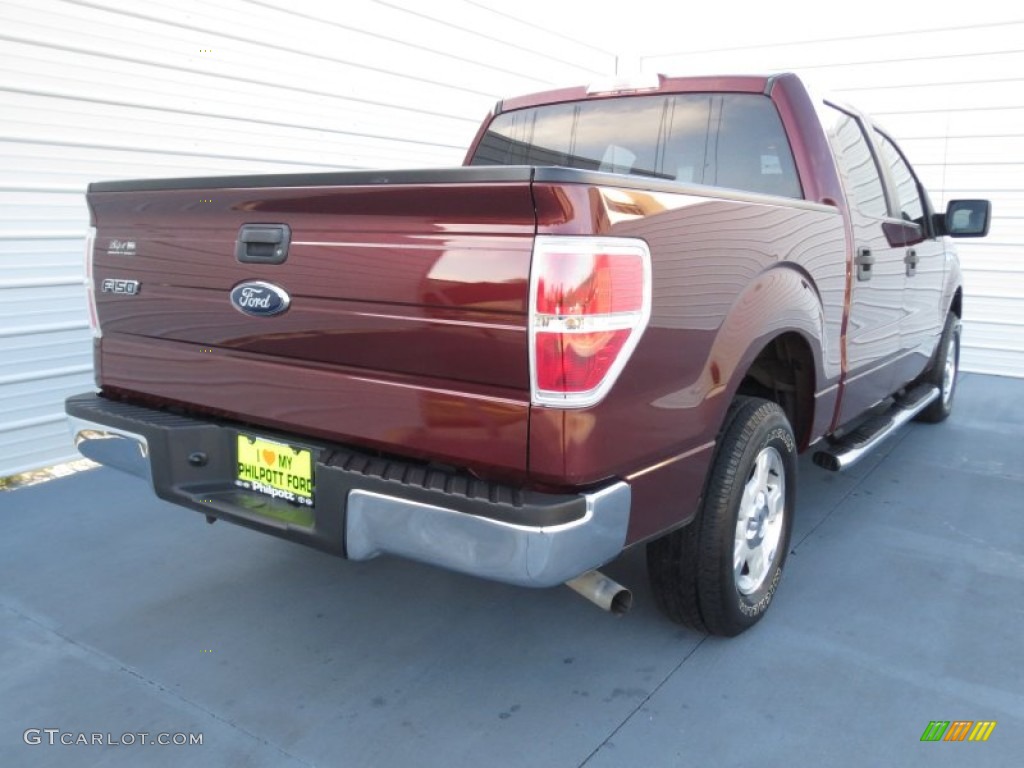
<point x="259" y="298"/>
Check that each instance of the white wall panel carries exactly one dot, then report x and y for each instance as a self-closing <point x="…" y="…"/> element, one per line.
<point x="107" y="89"/>
<point x="954" y="99"/>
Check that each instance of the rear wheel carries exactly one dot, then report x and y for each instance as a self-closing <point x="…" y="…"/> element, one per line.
<point x="719" y="573"/>
<point x="943" y="372"/>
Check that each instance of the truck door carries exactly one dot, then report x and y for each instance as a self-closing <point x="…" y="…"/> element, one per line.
<point x="924" y="257"/>
<point x="876" y="311"/>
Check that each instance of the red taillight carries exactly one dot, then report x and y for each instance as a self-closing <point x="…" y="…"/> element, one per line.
<point x="572" y="283"/>
<point x="577" y="362"/>
<point x="590" y="300"/>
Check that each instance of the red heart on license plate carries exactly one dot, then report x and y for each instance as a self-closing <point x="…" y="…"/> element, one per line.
<point x="268" y="457"/>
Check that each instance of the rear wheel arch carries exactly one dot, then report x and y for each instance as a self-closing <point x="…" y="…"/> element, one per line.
<point x="785" y="371"/>
<point x="776" y="343"/>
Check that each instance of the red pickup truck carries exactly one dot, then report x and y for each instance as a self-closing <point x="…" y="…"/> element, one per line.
<point x="617" y="325"/>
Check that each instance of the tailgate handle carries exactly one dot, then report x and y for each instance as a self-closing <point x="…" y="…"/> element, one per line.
<point x="263" y="243"/>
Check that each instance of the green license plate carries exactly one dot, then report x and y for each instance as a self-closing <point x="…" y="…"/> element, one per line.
<point x="275" y="469"/>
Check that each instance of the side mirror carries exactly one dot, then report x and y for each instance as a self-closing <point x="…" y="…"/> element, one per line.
<point x="968" y="218"/>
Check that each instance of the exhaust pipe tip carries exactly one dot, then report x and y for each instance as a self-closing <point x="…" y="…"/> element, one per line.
<point x="603" y="592"/>
<point x="622" y="602"/>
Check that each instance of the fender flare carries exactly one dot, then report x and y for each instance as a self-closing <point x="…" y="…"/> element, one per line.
<point x="782" y="299"/>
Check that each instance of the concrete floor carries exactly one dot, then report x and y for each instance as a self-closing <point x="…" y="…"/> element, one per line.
<point x="903" y="602"/>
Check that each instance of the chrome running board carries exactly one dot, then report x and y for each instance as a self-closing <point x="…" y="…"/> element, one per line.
<point x="851" y="448"/>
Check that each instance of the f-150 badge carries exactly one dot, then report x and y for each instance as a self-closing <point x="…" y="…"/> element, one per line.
<point x="259" y="299"/>
<point x="117" y="285"/>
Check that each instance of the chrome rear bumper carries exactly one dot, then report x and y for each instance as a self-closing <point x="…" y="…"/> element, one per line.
<point x="517" y="537"/>
<point x="112" y="447"/>
<point x="516" y="554"/>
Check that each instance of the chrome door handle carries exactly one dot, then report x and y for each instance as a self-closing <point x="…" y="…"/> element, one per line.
<point x="864" y="261"/>
<point x="911" y="261"/>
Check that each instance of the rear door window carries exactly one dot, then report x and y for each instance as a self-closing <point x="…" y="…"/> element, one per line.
<point x="733" y="140"/>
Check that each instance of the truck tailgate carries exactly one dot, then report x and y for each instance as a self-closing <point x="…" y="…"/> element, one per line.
<point x="406" y="329"/>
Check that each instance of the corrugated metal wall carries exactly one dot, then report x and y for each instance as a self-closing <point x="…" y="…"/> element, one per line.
<point x="99" y="89"/>
<point x="954" y="99"/>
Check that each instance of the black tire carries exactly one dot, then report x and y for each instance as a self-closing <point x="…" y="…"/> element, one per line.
<point x="692" y="569"/>
<point x="946" y="364"/>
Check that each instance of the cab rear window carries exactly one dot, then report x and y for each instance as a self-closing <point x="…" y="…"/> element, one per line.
<point x="733" y="140"/>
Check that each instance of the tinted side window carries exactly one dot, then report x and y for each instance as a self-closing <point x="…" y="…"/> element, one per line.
<point x="728" y="140"/>
<point x="909" y="201"/>
<point x="856" y="161"/>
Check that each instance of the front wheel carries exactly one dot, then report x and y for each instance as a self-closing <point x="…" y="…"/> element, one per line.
<point x="943" y="372"/>
<point x="719" y="573"/>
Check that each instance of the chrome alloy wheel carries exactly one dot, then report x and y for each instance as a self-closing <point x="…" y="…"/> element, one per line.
<point x="949" y="370"/>
<point x="759" y="522"/>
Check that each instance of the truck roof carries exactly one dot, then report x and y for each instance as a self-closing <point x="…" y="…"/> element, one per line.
<point x="665" y="84"/>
